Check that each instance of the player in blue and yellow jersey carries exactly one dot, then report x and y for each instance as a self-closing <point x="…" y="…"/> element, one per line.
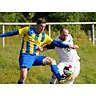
<point x="33" y="41"/>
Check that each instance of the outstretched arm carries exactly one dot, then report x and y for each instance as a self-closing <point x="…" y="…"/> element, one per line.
<point x="61" y="45"/>
<point x="51" y="46"/>
<point x="16" y="32"/>
<point x="57" y="44"/>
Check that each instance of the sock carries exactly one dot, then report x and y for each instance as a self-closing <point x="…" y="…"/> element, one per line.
<point x="70" y="81"/>
<point x="52" y="81"/>
<point x="55" y="70"/>
<point x="20" y="82"/>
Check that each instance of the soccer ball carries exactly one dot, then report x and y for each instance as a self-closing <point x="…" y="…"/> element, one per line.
<point x="68" y="73"/>
<point x="68" y="70"/>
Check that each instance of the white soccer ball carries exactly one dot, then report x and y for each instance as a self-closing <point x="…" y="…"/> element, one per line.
<point x="68" y="70"/>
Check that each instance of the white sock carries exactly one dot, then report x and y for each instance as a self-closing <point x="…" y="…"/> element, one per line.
<point x="70" y="81"/>
<point x="52" y="81"/>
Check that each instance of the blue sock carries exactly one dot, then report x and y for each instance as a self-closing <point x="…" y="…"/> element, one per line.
<point x="20" y="82"/>
<point x="55" y="70"/>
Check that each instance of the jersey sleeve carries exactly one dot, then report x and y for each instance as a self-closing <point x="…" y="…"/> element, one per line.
<point x="6" y="34"/>
<point x="50" y="46"/>
<point x="47" y="40"/>
<point x="23" y="30"/>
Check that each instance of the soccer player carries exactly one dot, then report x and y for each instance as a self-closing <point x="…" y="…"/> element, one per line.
<point x="67" y="56"/>
<point x="33" y="41"/>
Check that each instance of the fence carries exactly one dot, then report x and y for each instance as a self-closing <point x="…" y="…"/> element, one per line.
<point x="49" y="27"/>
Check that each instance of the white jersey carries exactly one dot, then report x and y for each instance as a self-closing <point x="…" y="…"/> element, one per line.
<point x="67" y="54"/>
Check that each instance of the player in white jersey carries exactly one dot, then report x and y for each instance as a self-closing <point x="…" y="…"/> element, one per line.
<point x="67" y="57"/>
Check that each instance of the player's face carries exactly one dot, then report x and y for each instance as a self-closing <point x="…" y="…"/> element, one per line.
<point x="64" y="35"/>
<point x="41" y="27"/>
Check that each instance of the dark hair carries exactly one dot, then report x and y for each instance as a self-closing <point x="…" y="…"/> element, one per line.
<point x="41" y="20"/>
<point x="62" y="29"/>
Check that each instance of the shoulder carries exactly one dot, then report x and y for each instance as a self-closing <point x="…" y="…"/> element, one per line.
<point x="31" y="30"/>
<point x="57" y="38"/>
<point x="70" y="37"/>
<point x="23" y="30"/>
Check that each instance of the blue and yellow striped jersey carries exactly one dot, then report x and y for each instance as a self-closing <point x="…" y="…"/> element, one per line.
<point x="31" y="40"/>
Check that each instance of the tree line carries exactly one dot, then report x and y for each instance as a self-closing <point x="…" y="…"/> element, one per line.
<point x="52" y="17"/>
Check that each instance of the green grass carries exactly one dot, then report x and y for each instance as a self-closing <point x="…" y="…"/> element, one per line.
<point x="9" y="66"/>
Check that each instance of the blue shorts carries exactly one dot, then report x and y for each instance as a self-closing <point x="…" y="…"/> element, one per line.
<point x="27" y="60"/>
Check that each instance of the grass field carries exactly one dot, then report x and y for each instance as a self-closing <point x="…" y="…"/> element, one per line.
<point x="9" y="66"/>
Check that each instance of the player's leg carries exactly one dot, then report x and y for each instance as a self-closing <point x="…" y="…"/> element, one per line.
<point x="43" y="60"/>
<point x="23" y="75"/>
<point x="53" y="65"/>
<point x="76" y="72"/>
<point x="71" y="81"/>
<point x="53" y="79"/>
<point x="25" y="62"/>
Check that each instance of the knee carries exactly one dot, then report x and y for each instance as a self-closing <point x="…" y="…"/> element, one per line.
<point x="49" y="61"/>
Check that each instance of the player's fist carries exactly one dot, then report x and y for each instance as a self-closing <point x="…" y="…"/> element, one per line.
<point x="39" y="48"/>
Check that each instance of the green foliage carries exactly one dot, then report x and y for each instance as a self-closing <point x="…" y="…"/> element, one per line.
<point x="52" y="17"/>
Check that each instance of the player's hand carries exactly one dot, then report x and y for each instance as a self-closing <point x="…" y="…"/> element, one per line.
<point x="74" y="46"/>
<point x="39" y="48"/>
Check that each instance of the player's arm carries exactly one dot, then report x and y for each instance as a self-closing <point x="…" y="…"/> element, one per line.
<point x="56" y="43"/>
<point x="49" y="46"/>
<point x="71" y="43"/>
<point x="59" y="44"/>
<point x="6" y="34"/>
<point x="21" y="31"/>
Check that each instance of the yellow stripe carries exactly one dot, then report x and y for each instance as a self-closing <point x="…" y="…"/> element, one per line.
<point x="24" y="47"/>
<point x="32" y="42"/>
<point x="23" y="30"/>
<point x="47" y="40"/>
<point x="31" y="48"/>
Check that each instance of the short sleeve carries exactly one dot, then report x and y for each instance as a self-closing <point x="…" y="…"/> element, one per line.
<point x="23" y="30"/>
<point x="47" y="40"/>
